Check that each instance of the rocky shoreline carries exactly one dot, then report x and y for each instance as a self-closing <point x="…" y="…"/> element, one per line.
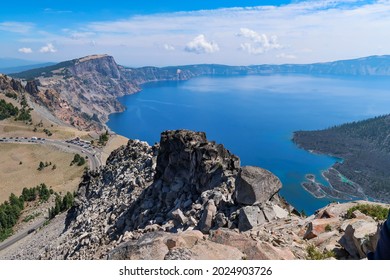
<point x="363" y="173"/>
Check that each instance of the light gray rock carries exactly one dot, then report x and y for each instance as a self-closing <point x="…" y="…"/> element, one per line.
<point x="249" y="217"/>
<point x="255" y="185"/>
<point x="360" y="238"/>
<point x="269" y="212"/>
<point x="206" y="222"/>
<point x="280" y="212"/>
<point x="150" y="246"/>
<point x="179" y="216"/>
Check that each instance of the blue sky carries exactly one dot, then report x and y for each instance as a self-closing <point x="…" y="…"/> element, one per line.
<point x="139" y="33"/>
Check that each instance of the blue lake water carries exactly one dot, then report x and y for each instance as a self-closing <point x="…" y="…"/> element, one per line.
<point x="255" y="116"/>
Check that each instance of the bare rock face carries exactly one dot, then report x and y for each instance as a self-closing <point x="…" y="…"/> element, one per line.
<point x="194" y="178"/>
<point x="32" y="87"/>
<point x="190" y="157"/>
<point x="16" y="86"/>
<point x="250" y="216"/>
<point x="150" y="246"/>
<point x="186" y="245"/>
<point x="256" y="185"/>
<point x="360" y="238"/>
<point x="206" y="221"/>
<point x="318" y="226"/>
<point x="10" y="85"/>
<point x="252" y="249"/>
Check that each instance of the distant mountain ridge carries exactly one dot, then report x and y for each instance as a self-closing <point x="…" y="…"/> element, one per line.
<point x="88" y="87"/>
<point x="8" y="62"/>
<point x="372" y="65"/>
<point x="16" y="69"/>
<point x="14" y="65"/>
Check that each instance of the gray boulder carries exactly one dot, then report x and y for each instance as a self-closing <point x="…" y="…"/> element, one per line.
<point x="249" y="217"/>
<point x="206" y="222"/>
<point x="179" y="216"/>
<point x="360" y="238"/>
<point x="255" y="185"/>
<point x="150" y="246"/>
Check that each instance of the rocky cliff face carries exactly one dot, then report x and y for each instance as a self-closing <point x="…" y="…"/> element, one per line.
<point x="188" y="198"/>
<point x="81" y="92"/>
<point x="10" y="85"/>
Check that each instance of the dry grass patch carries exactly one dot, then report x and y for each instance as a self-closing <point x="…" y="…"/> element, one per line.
<point x="13" y="128"/>
<point x="113" y="143"/>
<point x="15" y="176"/>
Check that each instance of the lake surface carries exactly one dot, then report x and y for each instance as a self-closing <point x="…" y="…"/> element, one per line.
<point x="255" y="116"/>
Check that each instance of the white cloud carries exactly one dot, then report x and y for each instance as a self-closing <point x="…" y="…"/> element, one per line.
<point x="80" y="35"/>
<point x="286" y="55"/>
<point x="313" y="31"/>
<point x="49" y="48"/>
<point x="25" y="50"/>
<point x="169" y="47"/>
<point x="259" y="43"/>
<point x="200" y="45"/>
<point x="16" y="27"/>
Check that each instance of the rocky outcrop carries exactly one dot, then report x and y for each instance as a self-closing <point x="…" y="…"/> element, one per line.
<point x="361" y="236"/>
<point x="349" y="238"/>
<point x="183" y="184"/>
<point x="195" y="178"/>
<point x="10" y="85"/>
<point x="32" y="87"/>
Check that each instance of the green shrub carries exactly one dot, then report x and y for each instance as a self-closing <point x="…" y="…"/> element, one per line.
<point x="5" y="233"/>
<point x="79" y="160"/>
<point x="375" y="211"/>
<point x="61" y="205"/>
<point x="314" y="254"/>
<point x="11" y="95"/>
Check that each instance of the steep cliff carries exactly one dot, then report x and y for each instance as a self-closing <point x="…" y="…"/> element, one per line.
<point x="81" y="92"/>
<point x="10" y="85"/>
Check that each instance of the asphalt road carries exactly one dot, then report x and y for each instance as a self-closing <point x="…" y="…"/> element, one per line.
<point x="94" y="160"/>
<point x="19" y="236"/>
<point x="93" y="154"/>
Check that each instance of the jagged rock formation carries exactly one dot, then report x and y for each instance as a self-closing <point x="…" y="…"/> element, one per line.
<point x="177" y="200"/>
<point x="10" y="85"/>
<point x="32" y="87"/>
<point x="183" y="184"/>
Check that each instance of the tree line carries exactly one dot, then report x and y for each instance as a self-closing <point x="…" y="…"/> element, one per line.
<point x="11" y="209"/>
